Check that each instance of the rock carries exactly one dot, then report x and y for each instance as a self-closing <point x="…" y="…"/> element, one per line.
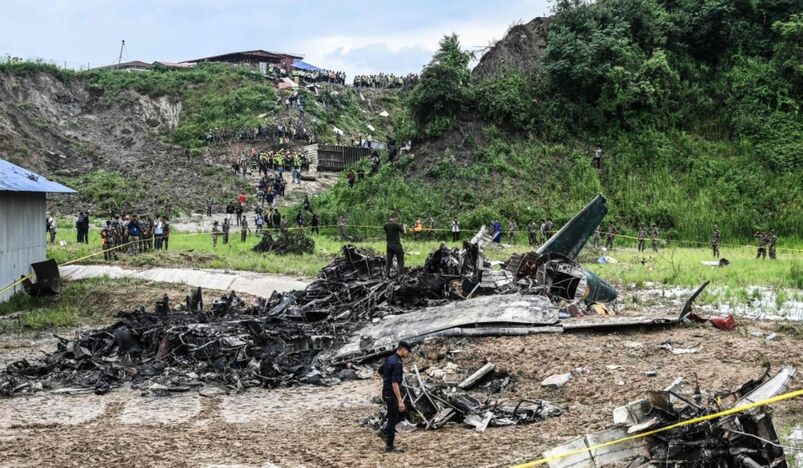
<point x="757" y="334"/>
<point x="613" y="367"/>
<point x="347" y="374"/>
<point x="771" y="337"/>
<point x="557" y="380"/>
<point x="651" y="373"/>
<point x="633" y="344"/>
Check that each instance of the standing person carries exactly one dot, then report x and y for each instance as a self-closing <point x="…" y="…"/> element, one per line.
<point x="51" y="227"/>
<point x="431" y="225"/>
<point x="512" y="225"/>
<point x="394" y="249"/>
<point x="209" y="203"/>
<point x="549" y="227"/>
<point x="596" y="161"/>
<point x="496" y="227"/>
<point x="276" y="219"/>
<point x="315" y="224"/>
<point x="642" y="236"/>
<point x="229" y="209"/>
<point x="418" y="229"/>
<point x="596" y="239"/>
<point x="455" y="230"/>
<point x="299" y="221"/>
<point x="715" y="239"/>
<point x="105" y="241"/>
<point x="610" y="236"/>
<point x="215" y="234"/>
<point x="654" y="237"/>
<point x="307" y="206"/>
<point x="392" y="371"/>
<point x="532" y="233"/>
<point x="134" y="234"/>
<point x="773" y="240"/>
<point x="244" y="230"/>
<point x="241" y="198"/>
<point x="239" y="213"/>
<point x="165" y="233"/>
<point x="158" y="234"/>
<point x="79" y="227"/>
<point x="341" y="227"/>
<point x="259" y="221"/>
<point x="542" y="231"/>
<point x="350" y="178"/>
<point x="763" y="240"/>
<point x="226" y="228"/>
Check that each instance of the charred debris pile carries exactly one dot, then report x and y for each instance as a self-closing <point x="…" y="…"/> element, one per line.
<point x="285" y="242"/>
<point x="349" y="314"/>
<point x="745" y="439"/>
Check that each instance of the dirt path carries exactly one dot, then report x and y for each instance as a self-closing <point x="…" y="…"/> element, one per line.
<point x="315" y="426"/>
<point x="255" y="284"/>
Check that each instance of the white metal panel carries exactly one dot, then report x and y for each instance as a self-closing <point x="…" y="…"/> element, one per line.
<point x="22" y="236"/>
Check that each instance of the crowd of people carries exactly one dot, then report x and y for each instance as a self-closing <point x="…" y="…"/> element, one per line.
<point x="292" y="128"/>
<point x="320" y="76"/>
<point x="383" y="80"/>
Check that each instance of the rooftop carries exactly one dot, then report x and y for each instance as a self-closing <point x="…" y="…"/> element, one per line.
<point x="17" y="179"/>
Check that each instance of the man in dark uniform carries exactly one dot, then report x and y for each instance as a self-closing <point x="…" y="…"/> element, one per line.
<point x="773" y="240"/>
<point x="715" y="238"/>
<point x="642" y="236"/>
<point x="393" y="232"/>
<point x="654" y="237"/>
<point x="763" y="240"/>
<point x="610" y="236"/>
<point x="392" y="371"/>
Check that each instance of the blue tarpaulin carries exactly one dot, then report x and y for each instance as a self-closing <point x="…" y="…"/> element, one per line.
<point x="302" y="65"/>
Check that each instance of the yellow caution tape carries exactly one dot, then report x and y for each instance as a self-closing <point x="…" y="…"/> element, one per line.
<point x="688" y="422"/>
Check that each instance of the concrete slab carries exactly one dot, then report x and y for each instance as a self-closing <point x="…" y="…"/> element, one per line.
<point x="247" y="282"/>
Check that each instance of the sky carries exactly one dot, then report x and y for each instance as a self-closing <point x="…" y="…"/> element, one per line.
<point x="357" y="37"/>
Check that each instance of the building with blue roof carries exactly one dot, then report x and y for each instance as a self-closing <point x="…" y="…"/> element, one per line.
<point x="23" y="215"/>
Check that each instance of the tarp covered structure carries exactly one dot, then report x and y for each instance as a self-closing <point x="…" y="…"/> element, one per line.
<point x="302" y="65"/>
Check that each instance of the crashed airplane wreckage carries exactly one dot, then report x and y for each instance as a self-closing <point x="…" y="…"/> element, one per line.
<point x="746" y="439"/>
<point x="349" y="314"/>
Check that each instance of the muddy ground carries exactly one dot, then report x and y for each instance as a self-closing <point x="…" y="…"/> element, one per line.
<point x="317" y="426"/>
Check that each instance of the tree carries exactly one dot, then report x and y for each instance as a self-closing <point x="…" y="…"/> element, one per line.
<point x="444" y="90"/>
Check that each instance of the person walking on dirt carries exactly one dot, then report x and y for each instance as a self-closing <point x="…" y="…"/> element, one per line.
<point x="394" y="249"/>
<point x="209" y="207"/>
<point x="259" y="221"/>
<point x="392" y="372"/>
<point x="229" y="209"/>
<point x="239" y="213"/>
<point x="716" y="237"/>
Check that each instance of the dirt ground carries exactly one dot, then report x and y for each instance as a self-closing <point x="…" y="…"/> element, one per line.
<point x="316" y="426"/>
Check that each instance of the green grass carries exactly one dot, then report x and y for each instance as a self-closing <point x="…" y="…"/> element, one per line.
<point x="677" y="266"/>
<point x="80" y="301"/>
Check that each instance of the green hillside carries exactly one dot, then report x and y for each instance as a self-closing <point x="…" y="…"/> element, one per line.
<point x="696" y="105"/>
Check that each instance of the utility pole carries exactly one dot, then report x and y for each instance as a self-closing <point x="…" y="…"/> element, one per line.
<point x="120" y="57"/>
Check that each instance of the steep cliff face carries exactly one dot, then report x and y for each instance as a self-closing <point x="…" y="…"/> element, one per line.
<point x="63" y="129"/>
<point x="521" y="50"/>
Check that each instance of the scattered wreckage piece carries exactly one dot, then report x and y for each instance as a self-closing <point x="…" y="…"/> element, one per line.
<point x="572" y="236"/>
<point x="433" y="405"/>
<point x="285" y="243"/>
<point x="747" y="439"/>
<point x="48" y="279"/>
<point x="486" y="315"/>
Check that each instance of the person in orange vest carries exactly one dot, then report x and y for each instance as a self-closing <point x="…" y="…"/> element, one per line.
<point x="418" y="229"/>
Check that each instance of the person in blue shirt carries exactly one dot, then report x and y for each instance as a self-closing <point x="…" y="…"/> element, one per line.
<point x="496" y="226"/>
<point x="392" y="371"/>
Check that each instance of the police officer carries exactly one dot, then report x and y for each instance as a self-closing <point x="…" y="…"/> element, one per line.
<point x="763" y="240"/>
<point x="715" y="239"/>
<point x="392" y="371"/>
<point x="393" y="232"/>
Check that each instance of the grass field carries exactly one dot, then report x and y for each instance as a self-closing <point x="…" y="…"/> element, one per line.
<point x="670" y="266"/>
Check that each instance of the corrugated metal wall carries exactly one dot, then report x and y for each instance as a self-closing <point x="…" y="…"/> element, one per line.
<point x="337" y="157"/>
<point x="22" y="236"/>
